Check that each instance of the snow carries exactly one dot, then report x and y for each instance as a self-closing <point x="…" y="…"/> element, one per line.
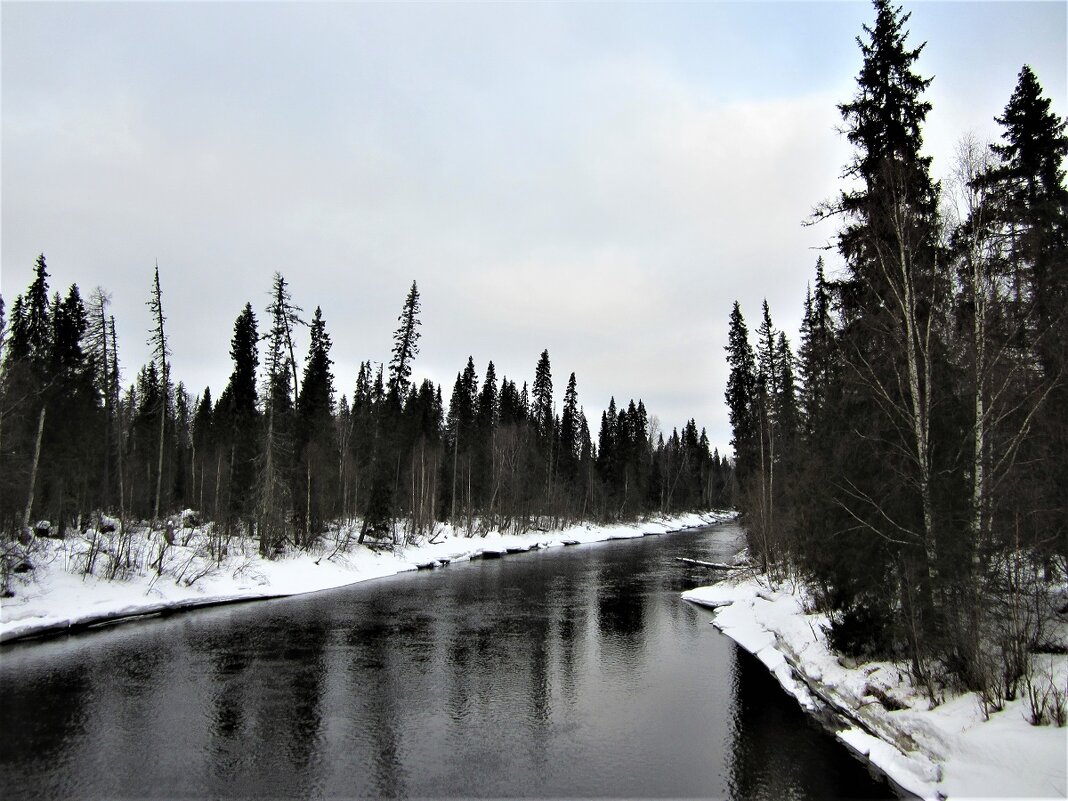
<point x="949" y="751"/>
<point x="55" y="597"/>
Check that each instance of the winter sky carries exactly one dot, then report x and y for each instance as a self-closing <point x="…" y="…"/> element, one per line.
<point x="598" y="179"/>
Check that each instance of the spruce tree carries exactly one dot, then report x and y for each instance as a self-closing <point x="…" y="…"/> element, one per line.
<point x="71" y="439"/>
<point x="816" y="355"/>
<point x="570" y="441"/>
<point x="275" y="460"/>
<point x="510" y="409"/>
<point x="315" y="407"/>
<point x="160" y="352"/>
<point x="890" y="300"/>
<point x="486" y="417"/>
<point x="1026" y="188"/>
<point x="463" y="411"/>
<point x="27" y="362"/>
<point x="315" y="401"/>
<point x="542" y="398"/>
<point x="240" y="414"/>
<point x="33" y="339"/>
<point x="488" y="402"/>
<point x="204" y="446"/>
<point x="405" y="343"/>
<point x="741" y="395"/>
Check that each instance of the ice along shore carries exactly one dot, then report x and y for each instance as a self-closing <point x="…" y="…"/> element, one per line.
<point x="949" y="751"/>
<point x="59" y="596"/>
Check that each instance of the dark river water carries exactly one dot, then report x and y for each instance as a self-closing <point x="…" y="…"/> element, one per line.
<point x="562" y="673"/>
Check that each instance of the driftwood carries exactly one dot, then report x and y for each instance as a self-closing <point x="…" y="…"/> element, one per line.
<point x="711" y="565"/>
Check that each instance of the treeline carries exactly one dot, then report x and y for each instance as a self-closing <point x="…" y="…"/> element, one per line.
<point x="277" y="456"/>
<point x="910" y="462"/>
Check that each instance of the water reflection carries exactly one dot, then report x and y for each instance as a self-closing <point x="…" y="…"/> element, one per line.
<point x="761" y="768"/>
<point x="572" y="673"/>
<point x="36" y="724"/>
<point x="619" y="607"/>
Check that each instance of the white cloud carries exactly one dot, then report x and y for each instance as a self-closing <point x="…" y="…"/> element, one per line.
<point x="552" y="178"/>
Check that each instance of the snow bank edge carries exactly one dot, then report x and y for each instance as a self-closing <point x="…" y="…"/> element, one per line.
<point x="53" y="623"/>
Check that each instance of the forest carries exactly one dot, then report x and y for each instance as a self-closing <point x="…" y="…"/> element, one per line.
<point x="280" y="460"/>
<point x="909" y="464"/>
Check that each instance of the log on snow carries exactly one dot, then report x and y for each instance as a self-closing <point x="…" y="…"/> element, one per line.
<point x="711" y="565"/>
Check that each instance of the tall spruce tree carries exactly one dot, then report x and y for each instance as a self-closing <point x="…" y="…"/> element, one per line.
<point x="315" y="408"/>
<point x="27" y="381"/>
<point x="72" y="438"/>
<point x="239" y="412"/>
<point x="274" y="468"/>
<point x="460" y="430"/>
<point x="1030" y="200"/>
<point x="893" y="382"/>
<point x="160" y="351"/>
<point x="541" y="412"/>
<point x="570" y="441"/>
<point x="741" y="396"/>
<point x="405" y="343"/>
<point x="203" y="435"/>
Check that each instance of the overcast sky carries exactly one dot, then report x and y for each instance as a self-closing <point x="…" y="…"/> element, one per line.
<point x="601" y="180"/>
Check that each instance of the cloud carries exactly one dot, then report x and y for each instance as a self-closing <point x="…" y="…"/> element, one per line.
<point x="601" y="187"/>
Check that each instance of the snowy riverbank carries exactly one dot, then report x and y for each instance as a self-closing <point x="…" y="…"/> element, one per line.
<point x="56" y="596"/>
<point x="948" y="751"/>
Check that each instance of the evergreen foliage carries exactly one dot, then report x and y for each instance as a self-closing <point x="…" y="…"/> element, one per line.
<point x="282" y="461"/>
<point x="405" y="343"/>
<point x="913" y="477"/>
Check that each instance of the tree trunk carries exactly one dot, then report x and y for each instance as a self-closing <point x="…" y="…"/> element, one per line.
<point x="33" y="468"/>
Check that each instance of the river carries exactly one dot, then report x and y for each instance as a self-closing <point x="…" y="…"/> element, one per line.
<point x="569" y="672"/>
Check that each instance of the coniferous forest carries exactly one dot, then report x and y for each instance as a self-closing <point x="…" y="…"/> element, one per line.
<point x="909" y="462"/>
<point x="885" y="546"/>
<point x="280" y="458"/>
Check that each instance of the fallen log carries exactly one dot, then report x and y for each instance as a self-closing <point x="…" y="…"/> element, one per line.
<point x="711" y="565"/>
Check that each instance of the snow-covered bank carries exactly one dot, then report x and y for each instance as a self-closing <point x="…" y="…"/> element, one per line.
<point x="55" y="597"/>
<point x="948" y="751"/>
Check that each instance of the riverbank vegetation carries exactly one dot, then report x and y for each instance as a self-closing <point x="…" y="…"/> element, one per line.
<point x="909" y="464"/>
<point x="277" y="459"/>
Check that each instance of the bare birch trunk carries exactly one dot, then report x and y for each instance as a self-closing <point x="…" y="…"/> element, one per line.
<point x="33" y="468"/>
